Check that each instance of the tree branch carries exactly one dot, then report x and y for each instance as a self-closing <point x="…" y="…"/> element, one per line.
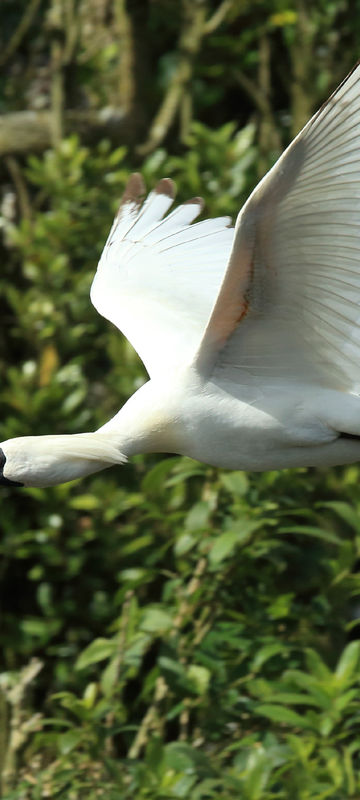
<point x="19" y="726"/>
<point x="218" y="16"/>
<point x="24" y="132"/>
<point x="252" y="89"/>
<point x="71" y="25"/>
<point x="126" y="88"/>
<point x="57" y="91"/>
<point x="20" y="186"/>
<point x="260" y="93"/>
<point x="302" y="67"/>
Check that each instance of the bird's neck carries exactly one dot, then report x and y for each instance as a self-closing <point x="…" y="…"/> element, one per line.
<point x="139" y="427"/>
<point x="146" y="423"/>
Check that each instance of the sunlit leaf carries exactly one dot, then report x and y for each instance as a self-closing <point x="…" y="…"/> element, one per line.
<point x="348" y="665"/>
<point x="283" y="715"/>
<point x="97" y="650"/>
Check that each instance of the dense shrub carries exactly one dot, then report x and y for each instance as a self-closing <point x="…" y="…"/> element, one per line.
<point x="192" y="626"/>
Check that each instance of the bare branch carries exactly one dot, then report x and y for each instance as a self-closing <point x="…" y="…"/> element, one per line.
<point x="19" y="726"/>
<point x="302" y="66"/>
<point x="20" y="186"/>
<point x="57" y="92"/>
<point x="218" y="16"/>
<point x="185" y="114"/>
<point x="72" y="27"/>
<point x="252" y="89"/>
<point x="260" y="93"/>
<point x="150" y="719"/>
<point x="126" y="88"/>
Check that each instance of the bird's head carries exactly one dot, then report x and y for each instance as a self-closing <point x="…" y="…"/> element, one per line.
<point x="49" y="460"/>
<point x="4" y="463"/>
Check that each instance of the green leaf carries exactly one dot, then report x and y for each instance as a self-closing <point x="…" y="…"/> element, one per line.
<point x="178" y="757"/>
<point x="110" y="676"/>
<point x="256" y="773"/>
<point x="182" y="756"/>
<point x="266" y="652"/>
<point x="85" y="502"/>
<point x="317" y="666"/>
<point x="348" y="665"/>
<point x="198" y="516"/>
<point x="185" y="543"/>
<point x="199" y="677"/>
<point x="154" y="480"/>
<point x="154" y="753"/>
<point x="69" y="740"/>
<point x="174" y="667"/>
<point x="281" y="606"/>
<point x="326" y="725"/>
<point x="97" y="650"/>
<point x="235" y="482"/>
<point x="311" y="530"/>
<point x="283" y="18"/>
<point x="282" y="714"/>
<point x="90" y="695"/>
<point x="155" y="620"/>
<point x="346" y="512"/>
<point x="292" y="698"/>
<point x="227" y="542"/>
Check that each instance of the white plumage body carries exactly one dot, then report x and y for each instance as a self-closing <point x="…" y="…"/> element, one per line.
<point x="274" y="427"/>
<point x="251" y="336"/>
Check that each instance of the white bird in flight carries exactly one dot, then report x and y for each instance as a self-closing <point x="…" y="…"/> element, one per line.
<point x="250" y="335"/>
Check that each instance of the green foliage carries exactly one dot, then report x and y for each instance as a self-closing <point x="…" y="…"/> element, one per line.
<point x="216" y="662"/>
<point x="192" y="624"/>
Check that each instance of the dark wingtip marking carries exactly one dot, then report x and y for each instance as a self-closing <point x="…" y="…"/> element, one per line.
<point x="195" y="201"/>
<point x="134" y="190"/>
<point x="166" y="186"/>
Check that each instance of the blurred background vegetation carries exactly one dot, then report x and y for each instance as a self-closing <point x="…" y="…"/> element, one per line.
<point x="167" y="630"/>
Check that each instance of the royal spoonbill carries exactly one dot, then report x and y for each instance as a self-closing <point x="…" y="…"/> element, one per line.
<point x="250" y="335"/>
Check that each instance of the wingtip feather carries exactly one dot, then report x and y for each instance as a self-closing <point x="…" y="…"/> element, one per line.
<point x="134" y="190"/>
<point x="195" y="201"/>
<point x="166" y="186"/>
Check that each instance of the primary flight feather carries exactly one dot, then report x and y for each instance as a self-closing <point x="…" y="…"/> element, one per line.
<point x="250" y="335"/>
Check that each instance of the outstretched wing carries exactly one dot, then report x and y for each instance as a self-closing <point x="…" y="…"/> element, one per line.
<point x="158" y="276"/>
<point x="289" y="305"/>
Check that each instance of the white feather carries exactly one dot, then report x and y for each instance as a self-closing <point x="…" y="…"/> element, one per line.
<point x="157" y="279"/>
<point x="301" y="227"/>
